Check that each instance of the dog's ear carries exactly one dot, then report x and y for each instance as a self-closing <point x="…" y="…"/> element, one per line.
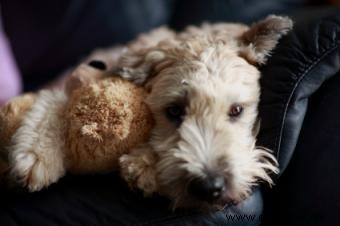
<point x="141" y="67"/>
<point x="261" y="38"/>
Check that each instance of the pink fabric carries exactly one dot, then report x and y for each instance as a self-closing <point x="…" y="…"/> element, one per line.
<point x="10" y="82"/>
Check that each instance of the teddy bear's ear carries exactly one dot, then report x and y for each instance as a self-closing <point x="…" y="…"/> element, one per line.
<point x="141" y="67"/>
<point x="262" y="37"/>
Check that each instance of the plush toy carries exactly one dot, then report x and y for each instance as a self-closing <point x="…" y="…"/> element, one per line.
<point x="11" y="116"/>
<point x="83" y="128"/>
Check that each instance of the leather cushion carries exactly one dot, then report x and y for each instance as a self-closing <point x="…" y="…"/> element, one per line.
<point x="302" y="62"/>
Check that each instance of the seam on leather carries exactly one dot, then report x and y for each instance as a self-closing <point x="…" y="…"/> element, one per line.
<point x="305" y="71"/>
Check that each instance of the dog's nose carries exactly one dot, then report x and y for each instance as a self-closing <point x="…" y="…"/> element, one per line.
<point x="208" y="189"/>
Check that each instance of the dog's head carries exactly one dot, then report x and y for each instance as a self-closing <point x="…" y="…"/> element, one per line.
<point x="204" y="94"/>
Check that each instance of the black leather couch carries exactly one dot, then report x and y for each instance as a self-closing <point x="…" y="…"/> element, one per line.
<point x="299" y="110"/>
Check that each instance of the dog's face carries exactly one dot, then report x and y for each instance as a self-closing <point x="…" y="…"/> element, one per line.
<point x="204" y="96"/>
<point x="205" y="113"/>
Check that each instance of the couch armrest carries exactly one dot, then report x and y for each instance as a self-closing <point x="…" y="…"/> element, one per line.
<point x="302" y="62"/>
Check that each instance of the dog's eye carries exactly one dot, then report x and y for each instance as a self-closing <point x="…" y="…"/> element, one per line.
<point x="175" y="112"/>
<point x="235" y="111"/>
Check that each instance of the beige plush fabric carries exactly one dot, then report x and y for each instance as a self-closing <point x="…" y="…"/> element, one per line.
<point x="83" y="129"/>
<point x="11" y="115"/>
<point x="104" y="119"/>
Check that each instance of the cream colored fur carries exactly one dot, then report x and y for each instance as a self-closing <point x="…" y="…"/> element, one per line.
<point x="207" y="70"/>
<point x="85" y="131"/>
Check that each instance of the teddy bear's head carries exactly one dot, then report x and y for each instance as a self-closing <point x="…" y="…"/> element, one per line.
<point x="105" y="117"/>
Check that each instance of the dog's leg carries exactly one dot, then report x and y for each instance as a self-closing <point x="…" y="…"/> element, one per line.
<point x="138" y="169"/>
<point x="35" y="153"/>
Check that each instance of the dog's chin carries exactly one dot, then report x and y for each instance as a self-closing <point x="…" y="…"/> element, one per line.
<point x="223" y="203"/>
<point x="217" y="205"/>
<point x="206" y="207"/>
<point x="209" y="206"/>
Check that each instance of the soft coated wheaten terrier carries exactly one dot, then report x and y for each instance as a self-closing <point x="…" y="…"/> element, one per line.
<point x="203" y="86"/>
<point x="204" y="93"/>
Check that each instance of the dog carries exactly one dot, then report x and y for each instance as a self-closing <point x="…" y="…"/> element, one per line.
<point x="203" y="86"/>
<point x="203" y="91"/>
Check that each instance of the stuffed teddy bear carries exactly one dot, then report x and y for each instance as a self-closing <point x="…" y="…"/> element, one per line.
<point x="83" y="128"/>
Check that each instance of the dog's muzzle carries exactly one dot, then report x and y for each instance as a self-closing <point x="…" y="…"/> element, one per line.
<point x="209" y="189"/>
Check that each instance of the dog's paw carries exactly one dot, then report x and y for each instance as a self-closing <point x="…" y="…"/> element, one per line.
<point x="138" y="171"/>
<point x="31" y="172"/>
